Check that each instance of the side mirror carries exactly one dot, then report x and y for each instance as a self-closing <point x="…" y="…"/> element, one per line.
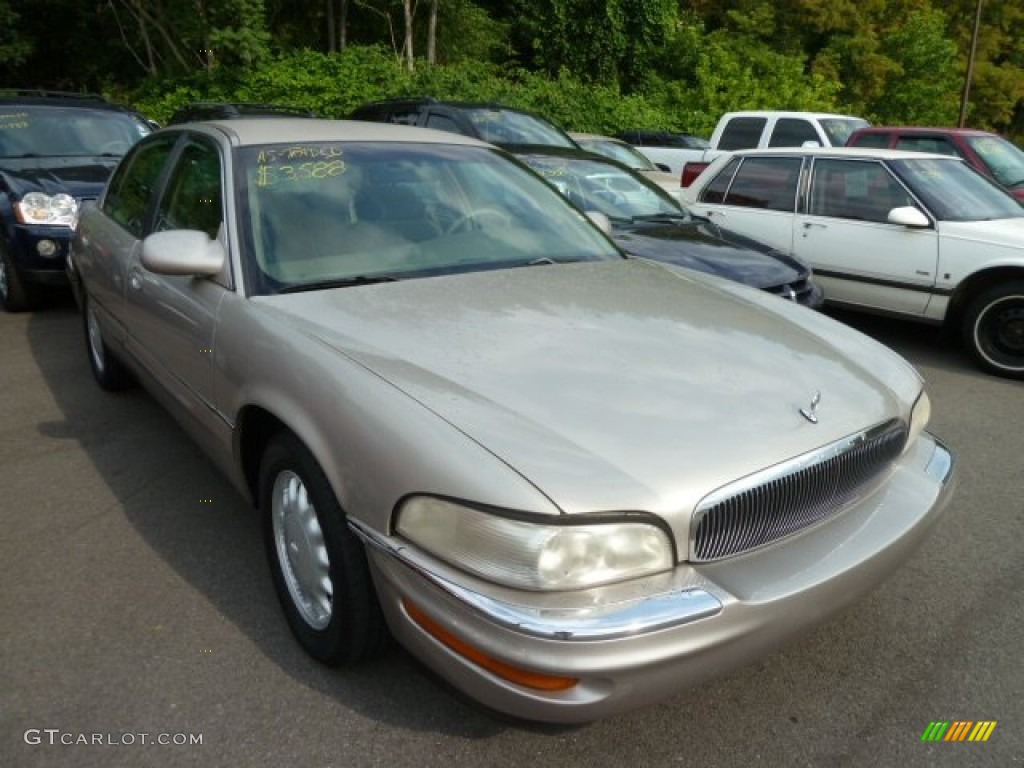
<point x="603" y="222"/>
<point x="908" y="216"/>
<point x="811" y="143"/>
<point x="183" y="252"/>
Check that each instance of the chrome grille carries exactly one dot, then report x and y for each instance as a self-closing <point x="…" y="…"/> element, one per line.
<point x="796" y="291"/>
<point x="782" y="500"/>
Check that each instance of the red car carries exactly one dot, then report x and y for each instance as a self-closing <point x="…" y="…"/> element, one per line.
<point x="986" y="152"/>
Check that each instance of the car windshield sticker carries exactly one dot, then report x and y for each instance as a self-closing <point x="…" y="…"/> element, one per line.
<point x="298" y="163"/>
<point x="13" y="120"/>
<point x="551" y="170"/>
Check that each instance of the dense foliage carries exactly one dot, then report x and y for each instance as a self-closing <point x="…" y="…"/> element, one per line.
<point x="597" y="65"/>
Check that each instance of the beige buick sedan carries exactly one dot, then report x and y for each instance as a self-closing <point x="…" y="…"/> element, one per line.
<point x="570" y="482"/>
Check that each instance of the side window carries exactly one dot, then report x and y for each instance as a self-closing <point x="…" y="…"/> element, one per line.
<point x="873" y="140"/>
<point x="793" y="132"/>
<point x="404" y="116"/>
<point x="766" y="182"/>
<point x="862" y="190"/>
<point x="193" y="197"/>
<point x="715" y="191"/>
<point x="134" y="182"/>
<point x="937" y="144"/>
<point x="442" y="123"/>
<point x="742" y="133"/>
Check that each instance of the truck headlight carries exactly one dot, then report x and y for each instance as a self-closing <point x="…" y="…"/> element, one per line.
<point x="57" y="210"/>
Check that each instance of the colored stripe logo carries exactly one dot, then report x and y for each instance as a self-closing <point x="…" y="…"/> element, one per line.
<point x="958" y="730"/>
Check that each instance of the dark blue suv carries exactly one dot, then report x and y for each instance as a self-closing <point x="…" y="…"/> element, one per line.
<point x="56" y="152"/>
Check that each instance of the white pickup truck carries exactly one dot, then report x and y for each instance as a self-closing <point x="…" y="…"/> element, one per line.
<point x="752" y="130"/>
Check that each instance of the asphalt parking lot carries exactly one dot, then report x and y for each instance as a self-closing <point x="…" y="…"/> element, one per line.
<point x="137" y="609"/>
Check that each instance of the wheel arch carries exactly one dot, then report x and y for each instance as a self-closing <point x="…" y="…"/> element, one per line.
<point x="973" y="286"/>
<point x="255" y="428"/>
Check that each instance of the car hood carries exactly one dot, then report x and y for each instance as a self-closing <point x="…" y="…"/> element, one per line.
<point x="80" y="177"/>
<point x="699" y="244"/>
<point x="1006" y="232"/>
<point x="664" y="179"/>
<point x="613" y="385"/>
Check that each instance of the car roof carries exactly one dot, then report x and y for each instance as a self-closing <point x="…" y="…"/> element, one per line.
<point x="594" y="137"/>
<point x="282" y="130"/>
<point x="229" y="110"/>
<point x="924" y="129"/>
<point x="787" y="113"/>
<point x="416" y="101"/>
<point x="871" y="152"/>
<point x="41" y="98"/>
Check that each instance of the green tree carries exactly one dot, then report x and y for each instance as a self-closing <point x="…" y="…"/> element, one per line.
<point x="14" y="48"/>
<point x="923" y="89"/>
<point x="997" y="86"/>
<point x="601" y="41"/>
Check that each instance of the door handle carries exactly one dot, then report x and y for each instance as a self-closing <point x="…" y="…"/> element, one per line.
<point x="809" y="224"/>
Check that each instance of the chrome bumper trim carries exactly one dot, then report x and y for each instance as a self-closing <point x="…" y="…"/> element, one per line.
<point x="624" y="619"/>
<point x="940" y="465"/>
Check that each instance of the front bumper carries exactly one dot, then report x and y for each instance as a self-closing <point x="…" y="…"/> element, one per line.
<point x="31" y="263"/>
<point x="635" y="643"/>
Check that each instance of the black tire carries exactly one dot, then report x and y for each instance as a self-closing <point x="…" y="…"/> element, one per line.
<point x="15" y="296"/>
<point x="339" y="622"/>
<point x="994" y="329"/>
<point x="108" y="371"/>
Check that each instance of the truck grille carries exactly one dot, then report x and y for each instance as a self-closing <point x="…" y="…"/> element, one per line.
<point x="782" y="500"/>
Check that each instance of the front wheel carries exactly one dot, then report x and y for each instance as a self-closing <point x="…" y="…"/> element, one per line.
<point x="318" y="566"/>
<point x="15" y="295"/>
<point x="994" y="329"/>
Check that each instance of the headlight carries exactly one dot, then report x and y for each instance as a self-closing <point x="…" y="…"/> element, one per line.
<point x="919" y="417"/>
<point x="37" y="208"/>
<point x="534" y="555"/>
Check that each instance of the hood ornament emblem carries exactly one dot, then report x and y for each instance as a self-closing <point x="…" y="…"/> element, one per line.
<point x="811" y="414"/>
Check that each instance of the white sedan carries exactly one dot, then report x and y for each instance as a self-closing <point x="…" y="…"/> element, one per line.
<point x="914" y="235"/>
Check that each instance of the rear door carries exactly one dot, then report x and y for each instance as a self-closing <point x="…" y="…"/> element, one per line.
<point x="112" y="239"/>
<point x="755" y="196"/>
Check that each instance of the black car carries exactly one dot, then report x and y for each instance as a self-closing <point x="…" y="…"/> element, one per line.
<point x="231" y="110"/>
<point x="56" y="151"/>
<point x="663" y="139"/>
<point x="647" y="222"/>
<point x="497" y="124"/>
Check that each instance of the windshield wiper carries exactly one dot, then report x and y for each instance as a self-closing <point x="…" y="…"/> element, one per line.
<point x="656" y="217"/>
<point x="339" y="282"/>
<point x="544" y="261"/>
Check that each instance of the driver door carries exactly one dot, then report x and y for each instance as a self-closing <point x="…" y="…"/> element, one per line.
<point x="171" y="319"/>
<point x="860" y="259"/>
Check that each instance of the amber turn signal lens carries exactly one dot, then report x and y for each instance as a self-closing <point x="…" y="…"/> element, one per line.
<point x="506" y="671"/>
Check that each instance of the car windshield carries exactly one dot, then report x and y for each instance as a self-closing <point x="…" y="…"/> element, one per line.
<point x="1004" y="159"/>
<point x="44" y="131"/>
<point x="504" y="126"/>
<point x="624" y="153"/>
<point x="346" y="213"/>
<point x="838" y="129"/>
<point x="955" y="192"/>
<point x="594" y="185"/>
